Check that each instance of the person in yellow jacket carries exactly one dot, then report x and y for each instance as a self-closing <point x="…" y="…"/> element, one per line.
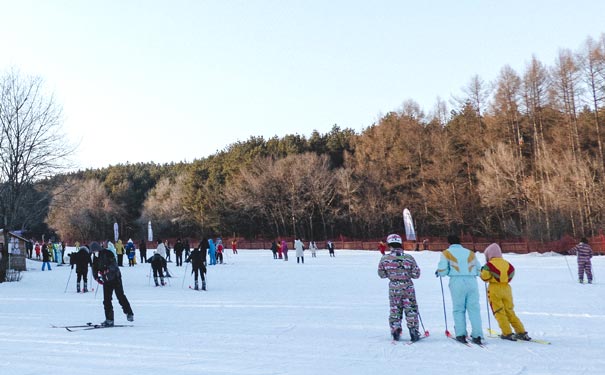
<point x="120" y="251"/>
<point x="499" y="273"/>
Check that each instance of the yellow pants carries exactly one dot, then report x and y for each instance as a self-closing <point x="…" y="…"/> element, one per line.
<point x="501" y="301"/>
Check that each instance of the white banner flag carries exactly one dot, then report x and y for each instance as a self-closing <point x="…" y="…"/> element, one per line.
<point x="410" y="233"/>
<point x="149" y="232"/>
<point x="115" y="232"/>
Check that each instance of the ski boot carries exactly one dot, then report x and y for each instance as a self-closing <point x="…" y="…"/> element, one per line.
<point x="461" y="339"/>
<point x="162" y="281"/>
<point x="196" y="286"/>
<point x="396" y="334"/>
<point x="78" y="288"/>
<point x="155" y="279"/>
<point x="522" y="336"/>
<point x="107" y="323"/>
<point x="414" y="335"/>
<point x="509" y="337"/>
<point x="85" y="290"/>
<point x="203" y="285"/>
<point x="130" y="317"/>
<point x="477" y="340"/>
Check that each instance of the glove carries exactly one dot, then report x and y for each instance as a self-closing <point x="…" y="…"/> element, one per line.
<point x="436" y="273"/>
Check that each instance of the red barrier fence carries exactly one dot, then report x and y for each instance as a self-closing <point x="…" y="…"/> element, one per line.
<point x="597" y="245"/>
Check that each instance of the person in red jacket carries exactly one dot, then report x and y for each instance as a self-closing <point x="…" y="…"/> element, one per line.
<point x="219" y="251"/>
<point x="382" y="247"/>
<point x="234" y="246"/>
<point x="38" y="250"/>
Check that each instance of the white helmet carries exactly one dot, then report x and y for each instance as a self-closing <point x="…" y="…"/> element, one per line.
<point x="394" y="238"/>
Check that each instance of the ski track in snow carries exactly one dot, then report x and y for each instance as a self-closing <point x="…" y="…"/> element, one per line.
<point x="265" y="316"/>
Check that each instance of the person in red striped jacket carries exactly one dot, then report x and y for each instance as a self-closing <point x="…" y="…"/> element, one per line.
<point x="584" y="252"/>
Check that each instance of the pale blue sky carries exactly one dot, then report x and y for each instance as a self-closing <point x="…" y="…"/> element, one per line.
<point x="176" y="80"/>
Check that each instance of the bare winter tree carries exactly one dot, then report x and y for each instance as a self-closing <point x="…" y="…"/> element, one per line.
<point x="292" y="194"/>
<point x="593" y="63"/>
<point x="566" y="91"/>
<point x="499" y="184"/>
<point x="440" y="113"/>
<point x="82" y="210"/>
<point x="164" y="205"/>
<point x="506" y="104"/>
<point x="476" y="92"/>
<point x="32" y="146"/>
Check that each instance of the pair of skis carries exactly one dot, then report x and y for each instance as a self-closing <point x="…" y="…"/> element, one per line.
<point x="493" y="335"/>
<point x="410" y="342"/>
<point x="467" y="343"/>
<point x="89" y="326"/>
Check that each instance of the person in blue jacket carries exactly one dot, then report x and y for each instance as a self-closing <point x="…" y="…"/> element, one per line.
<point x="212" y="251"/>
<point x="462" y="266"/>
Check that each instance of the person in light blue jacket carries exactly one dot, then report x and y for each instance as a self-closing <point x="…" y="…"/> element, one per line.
<point x="462" y="266"/>
<point x="212" y="251"/>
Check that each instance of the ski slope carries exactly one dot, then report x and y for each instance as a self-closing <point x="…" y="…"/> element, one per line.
<point x="266" y="316"/>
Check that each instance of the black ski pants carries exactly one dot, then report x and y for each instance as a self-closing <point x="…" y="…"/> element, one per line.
<point x="199" y="271"/>
<point x="108" y="288"/>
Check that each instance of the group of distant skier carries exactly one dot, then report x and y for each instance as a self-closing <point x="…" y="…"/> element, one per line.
<point x="280" y="249"/>
<point x="104" y="262"/>
<point x="462" y="267"/>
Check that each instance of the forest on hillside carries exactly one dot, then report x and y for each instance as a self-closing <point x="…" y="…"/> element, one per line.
<point x="519" y="156"/>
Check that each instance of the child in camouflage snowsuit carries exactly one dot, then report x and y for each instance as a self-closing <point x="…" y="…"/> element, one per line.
<point x="400" y="269"/>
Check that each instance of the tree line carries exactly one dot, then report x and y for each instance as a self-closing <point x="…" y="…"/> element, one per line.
<point x="520" y="156"/>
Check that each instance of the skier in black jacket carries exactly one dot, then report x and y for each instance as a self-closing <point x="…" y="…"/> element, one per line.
<point x="105" y="271"/>
<point x="158" y="265"/>
<point x="178" y="252"/>
<point x="198" y="264"/>
<point x="81" y="260"/>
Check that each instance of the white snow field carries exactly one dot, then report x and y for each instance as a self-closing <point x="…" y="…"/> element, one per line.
<point x="266" y="316"/>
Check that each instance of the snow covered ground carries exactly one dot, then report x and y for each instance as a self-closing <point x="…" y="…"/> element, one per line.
<point x="265" y="316"/>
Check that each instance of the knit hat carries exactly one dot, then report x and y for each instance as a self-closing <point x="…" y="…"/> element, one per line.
<point x="94" y="246"/>
<point x="394" y="238"/>
<point x="493" y="251"/>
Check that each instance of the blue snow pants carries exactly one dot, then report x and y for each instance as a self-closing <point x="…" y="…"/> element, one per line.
<point x="465" y="298"/>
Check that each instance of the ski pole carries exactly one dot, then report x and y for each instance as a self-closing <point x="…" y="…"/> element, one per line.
<point x="149" y="276"/>
<point x="447" y="333"/>
<point x="569" y="268"/>
<point x="489" y="322"/>
<point x="97" y="289"/>
<point x="184" y="274"/>
<point x="72" y="270"/>
<point x="426" y="333"/>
